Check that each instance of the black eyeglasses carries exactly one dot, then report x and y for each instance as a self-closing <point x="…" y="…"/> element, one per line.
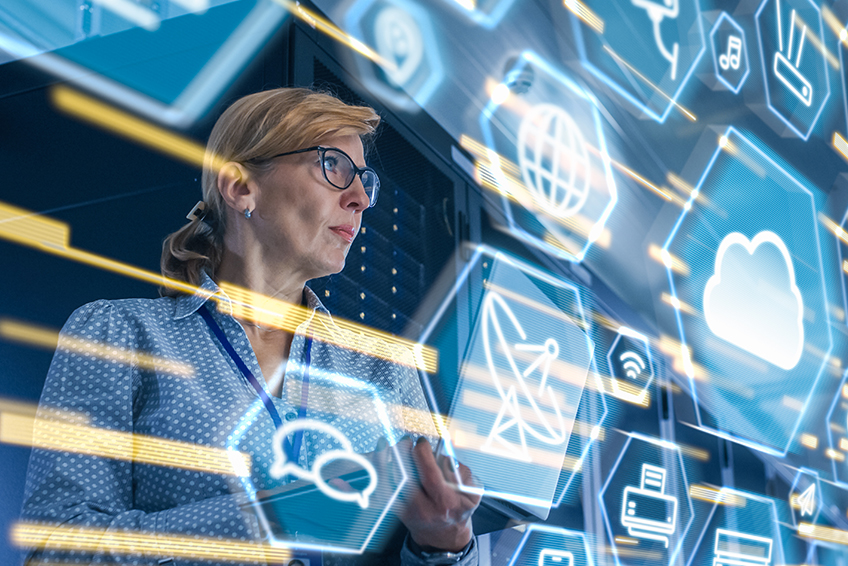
<point x="340" y="170"/>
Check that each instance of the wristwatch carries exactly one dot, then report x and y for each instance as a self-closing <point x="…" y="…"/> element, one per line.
<point x="440" y="558"/>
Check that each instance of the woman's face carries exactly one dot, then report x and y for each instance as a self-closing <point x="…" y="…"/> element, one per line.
<point x="304" y="222"/>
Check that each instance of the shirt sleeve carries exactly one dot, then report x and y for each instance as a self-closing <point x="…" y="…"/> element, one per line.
<point x="80" y="489"/>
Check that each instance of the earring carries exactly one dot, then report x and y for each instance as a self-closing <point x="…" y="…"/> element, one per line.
<point x="247" y="213"/>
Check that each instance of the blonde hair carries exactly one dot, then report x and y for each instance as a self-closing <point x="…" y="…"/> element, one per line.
<point x="250" y="132"/>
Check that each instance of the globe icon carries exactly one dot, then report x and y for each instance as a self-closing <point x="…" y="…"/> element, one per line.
<point x="554" y="160"/>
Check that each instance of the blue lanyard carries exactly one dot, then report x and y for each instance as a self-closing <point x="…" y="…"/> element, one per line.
<point x="292" y="449"/>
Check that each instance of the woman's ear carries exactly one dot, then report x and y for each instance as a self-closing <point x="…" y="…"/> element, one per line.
<point x="235" y="186"/>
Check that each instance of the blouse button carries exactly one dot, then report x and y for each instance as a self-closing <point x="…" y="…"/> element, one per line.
<point x="291" y="416"/>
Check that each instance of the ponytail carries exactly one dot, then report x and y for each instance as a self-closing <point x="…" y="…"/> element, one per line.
<point x="197" y="246"/>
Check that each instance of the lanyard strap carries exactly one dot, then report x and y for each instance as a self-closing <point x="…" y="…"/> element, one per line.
<point x="291" y="449"/>
<point x="222" y="338"/>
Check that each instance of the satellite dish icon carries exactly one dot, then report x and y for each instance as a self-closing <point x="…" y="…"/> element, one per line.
<point x="521" y="380"/>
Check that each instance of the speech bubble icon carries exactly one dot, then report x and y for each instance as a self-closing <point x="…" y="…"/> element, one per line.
<point x="282" y="467"/>
<point x="360" y="497"/>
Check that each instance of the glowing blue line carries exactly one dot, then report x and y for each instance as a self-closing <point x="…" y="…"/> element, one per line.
<point x="765" y="65"/>
<point x="519" y="232"/>
<point x="552" y="530"/>
<point x="662" y="444"/>
<point x="776" y="540"/>
<point x="731" y="131"/>
<point x="661" y="118"/>
<point x="731" y="21"/>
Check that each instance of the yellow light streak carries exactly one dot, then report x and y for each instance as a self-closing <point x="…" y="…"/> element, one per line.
<point x="333" y="330"/>
<point x="48" y="235"/>
<point x="640" y="179"/>
<point x="834" y="455"/>
<point x="41" y="337"/>
<point x="627" y="392"/>
<point x="647" y="81"/>
<point x="22" y="429"/>
<point x="838" y="29"/>
<point x="843" y="444"/>
<point x="46" y="536"/>
<point x="585" y="14"/>
<point x="716" y="496"/>
<point x="834" y="228"/>
<point x="325" y="26"/>
<point x="124" y="124"/>
<point x="810" y="441"/>
<point x="695" y="452"/>
<point x="840" y="145"/>
<point x="535" y="305"/>
<point x="467" y="4"/>
<point x="626" y="540"/>
<point x="678" y="304"/>
<point x="822" y="533"/>
<point x="672" y="262"/>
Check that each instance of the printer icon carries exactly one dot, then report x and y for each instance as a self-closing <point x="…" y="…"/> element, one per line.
<point x="648" y="512"/>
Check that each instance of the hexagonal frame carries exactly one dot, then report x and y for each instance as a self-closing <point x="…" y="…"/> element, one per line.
<point x="661" y="445"/>
<point x="677" y="307"/>
<point x="536" y="527"/>
<point x="353" y="21"/>
<point x="843" y="483"/>
<point x="484" y="20"/>
<point x="726" y="494"/>
<point x="617" y="391"/>
<point x="597" y="228"/>
<point x="725" y="17"/>
<point x="480" y="251"/>
<point x="200" y="93"/>
<point x="842" y="274"/>
<point x="383" y="417"/>
<point x="765" y="66"/>
<point x="600" y="74"/>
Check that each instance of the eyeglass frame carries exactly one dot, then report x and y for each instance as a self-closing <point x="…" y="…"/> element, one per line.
<point x="357" y="171"/>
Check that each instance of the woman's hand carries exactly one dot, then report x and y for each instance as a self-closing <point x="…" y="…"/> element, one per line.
<point x="436" y="512"/>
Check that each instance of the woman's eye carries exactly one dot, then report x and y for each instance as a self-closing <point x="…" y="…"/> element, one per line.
<point x="330" y="163"/>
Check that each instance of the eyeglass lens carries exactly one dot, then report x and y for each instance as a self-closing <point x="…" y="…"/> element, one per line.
<point x="340" y="171"/>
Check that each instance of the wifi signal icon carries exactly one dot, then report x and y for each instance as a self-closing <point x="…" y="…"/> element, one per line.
<point x="633" y="364"/>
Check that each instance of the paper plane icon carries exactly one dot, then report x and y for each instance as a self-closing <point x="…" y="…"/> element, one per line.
<point x="807" y="501"/>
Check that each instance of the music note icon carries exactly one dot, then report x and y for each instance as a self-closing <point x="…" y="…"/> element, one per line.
<point x="731" y="59"/>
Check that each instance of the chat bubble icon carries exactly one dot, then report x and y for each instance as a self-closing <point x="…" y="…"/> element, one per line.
<point x="282" y="466"/>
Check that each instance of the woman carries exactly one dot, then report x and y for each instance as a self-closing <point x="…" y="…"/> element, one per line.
<point x="284" y="189"/>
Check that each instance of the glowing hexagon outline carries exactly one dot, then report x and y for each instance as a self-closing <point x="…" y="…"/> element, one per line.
<point x="598" y="227"/>
<point x="238" y="464"/>
<point x="777" y="540"/>
<point x="675" y="301"/>
<point x="662" y="445"/>
<point x="661" y="118"/>
<point x="839" y="255"/>
<point x="815" y="475"/>
<point x="836" y="475"/>
<point x="765" y="75"/>
<point x="553" y="530"/>
<point x="481" y="250"/>
<point x="486" y="21"/>
<point x="353" y="23"/>
<point x="732" y="22"/>
<point x="630" y="333"/>
<point x="222" y="69"/>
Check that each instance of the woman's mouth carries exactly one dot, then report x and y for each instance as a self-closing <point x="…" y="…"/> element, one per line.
<point x="346" y="231"/>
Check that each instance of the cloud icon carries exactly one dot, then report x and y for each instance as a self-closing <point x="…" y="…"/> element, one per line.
<point x="752" y="300"/>
<point x="281" y="467"/>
